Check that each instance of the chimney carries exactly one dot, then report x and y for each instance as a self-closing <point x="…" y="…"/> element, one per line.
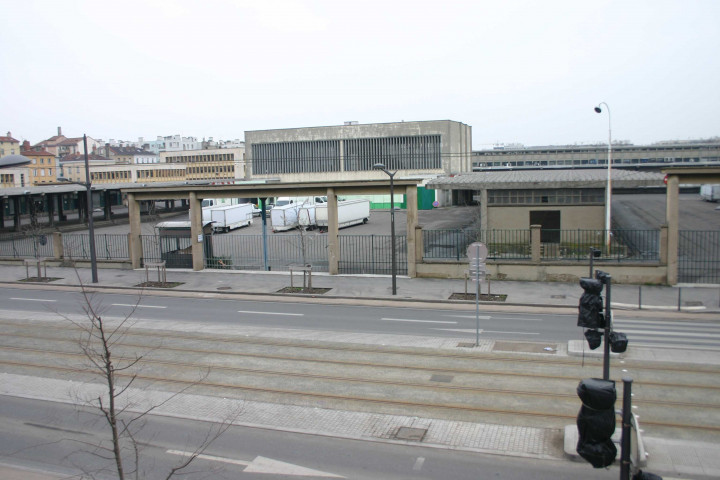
<point x="59" y="131"/>
<point x="107" y="150"/>
<point x="9" y="134"/>
<point x="25" y="144"/>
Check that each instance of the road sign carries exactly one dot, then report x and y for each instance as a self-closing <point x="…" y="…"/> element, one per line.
<point x="477" y="251"/>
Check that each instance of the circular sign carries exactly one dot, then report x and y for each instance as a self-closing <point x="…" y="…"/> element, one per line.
<point x="477" y="251"/>
<point x="436" y="204"/>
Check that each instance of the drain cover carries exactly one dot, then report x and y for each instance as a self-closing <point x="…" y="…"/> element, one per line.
<point x="466" y="345"/>
<point x="558" y="296"/>
<point x="224" y="288"/>
<point x="442" y="378"/>
<point x="693" y="303"/>
<point x="411" y="434"/>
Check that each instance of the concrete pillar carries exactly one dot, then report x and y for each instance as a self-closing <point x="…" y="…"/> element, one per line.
<point x="2" y="212"/>
<point x="663" y="245"/>
<point x="16" y="213"/>
<point x="196" y="232"/>
<point x="535" y="244"/>
<point x="333" y="241"/>
<point x="672" y="220"/>
<point x="58" y="250"/>
<point x="134" y="240"/>
<point x="419" y="246"/>
<point x="61" y="211"/>
<point x="484" y="210"/>
<point x="412" y="221"/>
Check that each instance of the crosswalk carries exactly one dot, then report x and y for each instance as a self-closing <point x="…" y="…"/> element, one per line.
<point x="670" y="334"/>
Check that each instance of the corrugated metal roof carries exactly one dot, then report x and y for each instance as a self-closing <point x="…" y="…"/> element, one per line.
<point x="532" y="179"/>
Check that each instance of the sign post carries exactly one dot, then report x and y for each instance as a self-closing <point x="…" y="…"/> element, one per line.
<point x="477" y="253"/>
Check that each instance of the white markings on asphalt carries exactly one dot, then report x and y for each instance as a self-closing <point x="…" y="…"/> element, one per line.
<point x="272" y="313"/>
<point x="133" y="305"/>
<point x="419" y="464"/>
<point x="416" y="321"/>
<point x="511" y="333"/>
<point x="657" y="307"/>
<point x="482" y="317"/>
<point x="262" y="465"/>
<point x="33" y="299"/>
<point x="671" y="334"/>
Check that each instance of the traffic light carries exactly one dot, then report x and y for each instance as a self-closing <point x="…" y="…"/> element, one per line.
<point x="591" y="304"/>
<point x="596" y="422"/>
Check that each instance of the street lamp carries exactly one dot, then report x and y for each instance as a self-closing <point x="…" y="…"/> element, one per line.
<point x="91" y="226"/>
<point x="608" y="189"/>
<point x="381" y="166"/>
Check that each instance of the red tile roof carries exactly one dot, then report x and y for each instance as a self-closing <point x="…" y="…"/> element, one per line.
<point x="8" y="139"/>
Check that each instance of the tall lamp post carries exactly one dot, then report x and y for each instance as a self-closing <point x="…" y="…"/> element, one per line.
<point x="608" y="189"/>
<point x="381" y="166"/>
<point x="91" y="225"/>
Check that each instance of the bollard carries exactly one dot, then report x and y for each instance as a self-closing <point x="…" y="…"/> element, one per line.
<point x="626" y="429"/>
<point x="639" y="297"/>
<point x="679" y="298"/>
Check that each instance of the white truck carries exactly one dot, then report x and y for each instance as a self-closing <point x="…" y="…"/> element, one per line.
<point x="350" y="212"/>
<point x="284" y="217"/>
<point x="710" y="193"/>
<point x="306" y="216"/>
<point x="229" y="217"/>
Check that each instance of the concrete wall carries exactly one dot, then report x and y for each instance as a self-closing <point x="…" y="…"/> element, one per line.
<point x="586" y="217"/>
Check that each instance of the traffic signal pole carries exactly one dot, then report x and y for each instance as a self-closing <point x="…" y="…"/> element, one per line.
<point x="607" y="280"/>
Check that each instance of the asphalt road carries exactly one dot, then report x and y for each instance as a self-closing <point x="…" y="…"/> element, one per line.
<point x="59" y="438"/>
<point x="460" y="322"/>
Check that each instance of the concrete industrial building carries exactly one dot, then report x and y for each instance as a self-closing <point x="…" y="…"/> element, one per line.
<point x="417" y="150"/>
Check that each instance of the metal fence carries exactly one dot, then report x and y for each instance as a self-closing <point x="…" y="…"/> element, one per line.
<point x="452" y="244"/>
<point x="634" y="245"/>
<point x="245" y="252"/>
<point x="26" y="245"/>
<point x="107" y="246"/>
<point x="372" y="254"/>
<point x="699" y="256"/>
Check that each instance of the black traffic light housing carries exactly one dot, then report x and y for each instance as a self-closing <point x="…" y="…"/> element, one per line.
<point x="591" y="304"/>
<point x="596" y="422"/>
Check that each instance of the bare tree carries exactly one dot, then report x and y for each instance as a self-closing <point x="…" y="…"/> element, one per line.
<point x="98" y="342"/>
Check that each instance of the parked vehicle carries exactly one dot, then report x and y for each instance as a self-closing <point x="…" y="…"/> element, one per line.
<point x="350" y="212"/>
<point x="710" y="193"/>
<point x="306" y="216"/>
<point x="229" y="217"/>
<point x="282" y="201"/>
<point x="284" y="217"/>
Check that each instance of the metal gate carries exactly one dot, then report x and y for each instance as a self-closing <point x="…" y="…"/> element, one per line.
<point x="699" y="256"/>
<point x="372" y="254"/>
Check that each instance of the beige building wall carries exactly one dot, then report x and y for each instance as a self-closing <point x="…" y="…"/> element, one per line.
<point x="586" y="217"/>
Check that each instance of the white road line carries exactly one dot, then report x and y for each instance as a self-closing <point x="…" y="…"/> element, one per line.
<point x="272" y="313"/>
<point x="656" y="307"/>
<point x="671" y="334"/>
<point x="661" y="323"/>
<point x="678" y="346"/>
<point x="511" y="333"/>
<point x="419" y="464"/>
<point x="133" y="305"/>
<point x="209" y="457"/>
<point x="481" y="317"/>
<point x="416" y="321"/>
<point x="678" y="338"/>
<point x="33" y="299"/>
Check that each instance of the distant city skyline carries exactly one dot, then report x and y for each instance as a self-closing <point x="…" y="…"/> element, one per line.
<point x="518" y="71"/>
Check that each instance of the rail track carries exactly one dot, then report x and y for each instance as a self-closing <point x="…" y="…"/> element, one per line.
<point x="488" y="387"/>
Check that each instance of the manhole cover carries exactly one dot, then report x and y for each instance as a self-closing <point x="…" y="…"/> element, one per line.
<point x="441" y="378"/>
<point x="411" y="434"/>
<point x="466" y="345"/>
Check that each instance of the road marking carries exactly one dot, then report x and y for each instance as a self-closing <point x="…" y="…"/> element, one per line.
<point x="511" y="333"/>
<point x="273" y="313"/>
<point x="419" y="464"/>
<point x="678" y="333"/>
<point x="416" y="321"/>
<point x="135" y="306"/>
<point x="33" y="299"/>
<point x="657" y="323"/>
<point x="656" y="307"/>
<point x="461" y="330"/>
<point x="262" y="465"/>
<point x="481" y="317"/>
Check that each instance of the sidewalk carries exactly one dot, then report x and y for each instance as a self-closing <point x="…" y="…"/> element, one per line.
<point x="667" y="456"/>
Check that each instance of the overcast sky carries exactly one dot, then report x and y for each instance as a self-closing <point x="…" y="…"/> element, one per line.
<point x="525" y="72"/>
